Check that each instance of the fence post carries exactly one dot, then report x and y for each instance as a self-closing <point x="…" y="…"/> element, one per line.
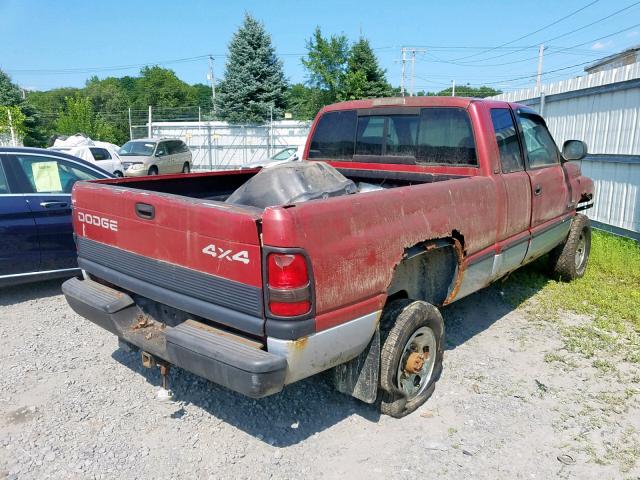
<point x="150" y="132"/>
<point x="130" y="127"/>
<point x="210" y="147"/>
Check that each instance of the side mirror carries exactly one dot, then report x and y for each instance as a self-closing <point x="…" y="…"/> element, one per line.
<point x="574" y="150"/>
<point x="294" y="158"/>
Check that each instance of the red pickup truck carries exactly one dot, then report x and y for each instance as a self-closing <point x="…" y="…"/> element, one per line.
<point x="255" y="279"/>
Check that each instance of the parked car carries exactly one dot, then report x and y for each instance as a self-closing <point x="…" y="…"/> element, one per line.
<point x="155" y="156"/>
<point x="255" y="280"/>
<point x="103" y="154"/>
<point x="289" y="154"/>
<point x="36" y="235"/>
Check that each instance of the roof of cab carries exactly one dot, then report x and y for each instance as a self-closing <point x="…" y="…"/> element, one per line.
<point x="419" y="101"/>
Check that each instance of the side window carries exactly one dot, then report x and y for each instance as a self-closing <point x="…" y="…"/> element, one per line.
<point x="184" y="148"/>
<point x="4" y="186"/>
<point x="541" y="149"/>
<point x="162" y="149"/>
<point x="50" y="174"/>
<point x="507" y="140"/>
<point x="445" y="137"/>
<point x="334" y="136"/>
<point x="173" y="147"/>
<point x="100" y="153"/>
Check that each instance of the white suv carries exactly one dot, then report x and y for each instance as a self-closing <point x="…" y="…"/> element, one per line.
<point x="154" y="156"/>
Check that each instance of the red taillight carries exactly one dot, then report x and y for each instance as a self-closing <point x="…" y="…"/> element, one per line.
<point x="289" y="290"/>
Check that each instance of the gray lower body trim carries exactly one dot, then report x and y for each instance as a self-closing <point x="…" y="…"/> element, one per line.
<point x="476" y="276"/>
<point x="326" y="349"/>
<point x="548" y="239"/>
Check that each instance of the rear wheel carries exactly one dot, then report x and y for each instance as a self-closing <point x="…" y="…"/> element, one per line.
<point x="118" y="173"/>
<point x="411" y="356"/>
<point x="186" y="168"/>
<point x="569" y="260"/>
<point x="153" y="170"/>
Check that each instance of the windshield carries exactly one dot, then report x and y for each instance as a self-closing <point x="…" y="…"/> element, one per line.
<point x="284" y="154"/>
<point x="137" y="148"/>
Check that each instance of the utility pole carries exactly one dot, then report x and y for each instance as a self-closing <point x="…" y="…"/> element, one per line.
<point x="404" y="61"/>
<point x="130" y="126"/>
<point x="13" y="132"/>
<point x="540" y="55"/>
<point x="453" y="88"/>
<point x="213" y="87"/>
<point x="413" y="63"/>
<point x="403" y="81"/>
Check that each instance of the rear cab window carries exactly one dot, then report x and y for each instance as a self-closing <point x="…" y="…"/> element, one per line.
<point x="421" y="136"/>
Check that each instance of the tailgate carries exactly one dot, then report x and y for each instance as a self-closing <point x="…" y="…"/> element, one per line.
<point x="196" y="255"/>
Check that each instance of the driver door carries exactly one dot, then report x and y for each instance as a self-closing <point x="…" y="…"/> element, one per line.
<point x="549" y="189"/>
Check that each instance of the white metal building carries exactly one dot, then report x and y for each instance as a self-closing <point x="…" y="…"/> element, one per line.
<point x="603" y="110"/>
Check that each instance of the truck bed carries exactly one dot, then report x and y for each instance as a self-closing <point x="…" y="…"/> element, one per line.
<point x="218" y="186"/>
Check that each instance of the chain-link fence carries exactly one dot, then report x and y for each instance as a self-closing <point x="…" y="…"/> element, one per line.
<point x="218" y="145"/>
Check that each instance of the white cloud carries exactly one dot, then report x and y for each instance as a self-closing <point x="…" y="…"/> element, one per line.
<point x="633" y="33"/>
<point x="602" y="45"/>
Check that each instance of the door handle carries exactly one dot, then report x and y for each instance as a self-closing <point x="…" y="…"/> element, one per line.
<point x="537" y="190"/>
<point x="53" y="204"/>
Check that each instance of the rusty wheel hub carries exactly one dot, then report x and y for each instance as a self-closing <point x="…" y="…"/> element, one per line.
<point x="415" y="362"/>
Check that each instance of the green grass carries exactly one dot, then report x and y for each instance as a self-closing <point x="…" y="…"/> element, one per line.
<point x="608" y="294"/>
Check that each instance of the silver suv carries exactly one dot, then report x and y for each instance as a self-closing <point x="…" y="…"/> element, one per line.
<point x="154" y="156"/>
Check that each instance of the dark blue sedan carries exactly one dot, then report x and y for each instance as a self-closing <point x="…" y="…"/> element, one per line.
<point x="36" y="235"/>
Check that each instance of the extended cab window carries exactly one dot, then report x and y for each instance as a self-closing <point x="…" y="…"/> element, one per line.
<point x="334" y="136"/>
<point x="540" y="147"/>
<point x="507" y="139"/>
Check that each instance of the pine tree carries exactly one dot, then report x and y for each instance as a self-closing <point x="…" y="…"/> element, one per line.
<point x="254" y="83"/>
<point x="364" y="77"/>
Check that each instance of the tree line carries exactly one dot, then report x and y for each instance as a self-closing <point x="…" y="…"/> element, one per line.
<point x="254" y="89"/>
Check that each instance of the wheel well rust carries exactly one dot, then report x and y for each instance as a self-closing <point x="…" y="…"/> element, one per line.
<point x="431" y="270"/>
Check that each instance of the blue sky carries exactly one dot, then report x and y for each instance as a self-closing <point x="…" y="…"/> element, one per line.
<point x="49" y="44"/>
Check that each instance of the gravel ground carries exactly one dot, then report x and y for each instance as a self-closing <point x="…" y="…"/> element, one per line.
<point x="72" y="405"/>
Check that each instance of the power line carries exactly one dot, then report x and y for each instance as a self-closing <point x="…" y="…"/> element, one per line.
<point x="561" y="35"/>
<point x="532" y="33"/>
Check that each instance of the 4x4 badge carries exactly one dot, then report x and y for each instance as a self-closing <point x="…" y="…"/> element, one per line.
<point x="220" y="253"/>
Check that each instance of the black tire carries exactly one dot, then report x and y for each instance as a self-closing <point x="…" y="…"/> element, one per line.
<point x="186" y="168"/>
<point x="569" y="259"/>
<point x="118" y="174"/>
<point x="401" y="320"/>
<point x="153" y="170"/>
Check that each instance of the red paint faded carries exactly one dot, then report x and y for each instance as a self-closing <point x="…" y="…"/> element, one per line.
<point x="353" y="242"/>
<point x="181" y="229"/>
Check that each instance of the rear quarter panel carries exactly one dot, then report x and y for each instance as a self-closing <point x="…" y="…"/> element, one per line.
<point x="354" y="242"/>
